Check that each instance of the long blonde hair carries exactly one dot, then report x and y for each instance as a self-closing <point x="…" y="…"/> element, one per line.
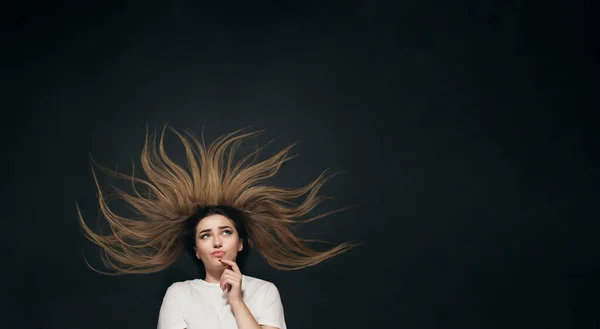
<point x="155" y="238"/>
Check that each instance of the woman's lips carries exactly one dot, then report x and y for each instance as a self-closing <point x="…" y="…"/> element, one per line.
<point x="218" y="254"/>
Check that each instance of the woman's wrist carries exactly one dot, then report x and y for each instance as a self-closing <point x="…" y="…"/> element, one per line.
<point x="235" y="303"/>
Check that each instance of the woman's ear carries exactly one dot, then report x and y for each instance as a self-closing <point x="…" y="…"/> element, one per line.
<point x="241" y="245"/>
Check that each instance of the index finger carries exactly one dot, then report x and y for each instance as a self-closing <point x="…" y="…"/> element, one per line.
<point x="233" y="264"/>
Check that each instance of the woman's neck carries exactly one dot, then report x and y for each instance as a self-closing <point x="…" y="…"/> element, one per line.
<point x="213" y="275"/>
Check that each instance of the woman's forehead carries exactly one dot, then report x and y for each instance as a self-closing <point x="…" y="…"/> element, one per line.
<point x="214" y="221"/>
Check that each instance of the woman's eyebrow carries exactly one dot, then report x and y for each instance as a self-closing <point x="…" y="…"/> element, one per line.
<point x="208" y="229"/>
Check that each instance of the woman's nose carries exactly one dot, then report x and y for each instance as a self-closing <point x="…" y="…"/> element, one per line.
<point x="217" y="242"/>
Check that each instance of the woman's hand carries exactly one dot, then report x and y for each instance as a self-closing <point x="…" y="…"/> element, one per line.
<point x="231" y="281"/>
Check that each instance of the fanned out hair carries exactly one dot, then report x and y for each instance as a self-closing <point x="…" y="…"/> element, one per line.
<point x="172" y="195"/>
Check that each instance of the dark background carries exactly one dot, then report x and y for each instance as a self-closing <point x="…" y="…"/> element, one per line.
<point x="466" y="130"/>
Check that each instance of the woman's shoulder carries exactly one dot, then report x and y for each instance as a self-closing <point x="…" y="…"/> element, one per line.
<point x="254" y="281"/>
<point x="260" y="286"/>
<point x="178" y="287"/>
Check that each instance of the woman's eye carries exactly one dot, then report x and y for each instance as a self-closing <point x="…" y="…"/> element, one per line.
<point x="227" y="232"/>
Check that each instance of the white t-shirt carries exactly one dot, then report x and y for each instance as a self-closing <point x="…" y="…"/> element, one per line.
<point x="197" y="304"/>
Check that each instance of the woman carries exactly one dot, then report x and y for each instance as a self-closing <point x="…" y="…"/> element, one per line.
<point x="215" y="209"/>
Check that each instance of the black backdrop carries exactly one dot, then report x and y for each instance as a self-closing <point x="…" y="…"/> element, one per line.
<point x="465" y="130"/>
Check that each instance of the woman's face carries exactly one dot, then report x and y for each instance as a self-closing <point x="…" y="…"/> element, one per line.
<point x="216" y="237"/>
